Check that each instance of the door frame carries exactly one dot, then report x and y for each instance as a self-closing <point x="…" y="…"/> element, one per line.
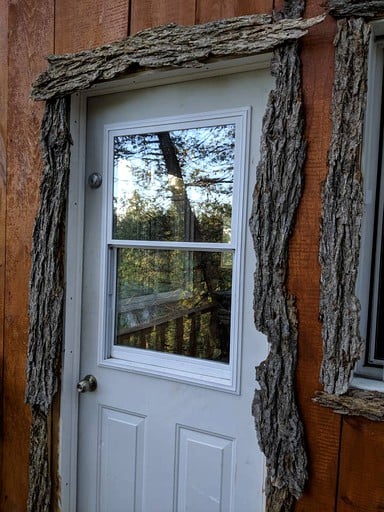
<point x="68" y="428"/>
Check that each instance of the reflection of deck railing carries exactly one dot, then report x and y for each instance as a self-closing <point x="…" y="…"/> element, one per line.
<point x="182" y="331"/>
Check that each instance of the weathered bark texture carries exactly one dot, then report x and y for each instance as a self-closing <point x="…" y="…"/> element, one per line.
<point x="358" y="8"/>
<point x="276" y="196"/>
<point x="342" y="209"/>
<point x="168" y="46"/>
<point x="356" y="402"/>
<point x="39" y="472"/>
<point x="47" y="295"/>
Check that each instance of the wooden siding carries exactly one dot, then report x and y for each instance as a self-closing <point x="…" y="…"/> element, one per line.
<point x="84" y="24"/>
<point x="30" y="37"/>
<point x="346" y="470"/>
<point x="322" y="427"/>
<point x="361" y="482"/>
<point x="3" y="166"/>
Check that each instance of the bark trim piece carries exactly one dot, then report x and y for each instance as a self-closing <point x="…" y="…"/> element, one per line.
<point x="165" y="47"/>
<point x="357" y="8"/>
<point x="342" y="209"/>
<point x="356" y="402"/>
<point x="46" y="300"/>
<point x="39" y="495"/>
<point x="275" y="200"/>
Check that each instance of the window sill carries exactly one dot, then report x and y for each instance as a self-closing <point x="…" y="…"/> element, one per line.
<point x="368" y="384"/>
<point x="368" y="403"/>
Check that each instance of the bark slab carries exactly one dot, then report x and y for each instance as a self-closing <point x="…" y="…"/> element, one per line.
<point x="342" y="209"/>
<point x="46" y="300"/>
<point x="357" y="8"/>
<point x="167" y="47"/>
<point x="275" y="200"/>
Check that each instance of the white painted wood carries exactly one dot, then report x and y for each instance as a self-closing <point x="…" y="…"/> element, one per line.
<point x="72" y="329"/>
<point x="173" y="76"/>
<point x="120" y="461"/>
<point x="163" y="402"/>
<point x="205" y="471"/>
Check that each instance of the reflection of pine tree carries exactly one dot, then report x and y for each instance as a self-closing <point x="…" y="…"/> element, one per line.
<point x="191" y="168"/>
<point x="161" y="208"/>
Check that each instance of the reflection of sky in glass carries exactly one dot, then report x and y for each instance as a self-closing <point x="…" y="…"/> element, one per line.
<point x="185" y="173"/>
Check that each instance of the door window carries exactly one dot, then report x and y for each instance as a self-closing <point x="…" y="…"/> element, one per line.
<point x="174" y="240"/>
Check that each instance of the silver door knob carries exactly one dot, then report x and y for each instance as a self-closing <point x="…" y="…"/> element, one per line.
<point x="89" y="383"/>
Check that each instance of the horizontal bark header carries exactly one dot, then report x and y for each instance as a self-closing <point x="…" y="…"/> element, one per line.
<point x="360" y="8"/>
<point x="167" y="46"/>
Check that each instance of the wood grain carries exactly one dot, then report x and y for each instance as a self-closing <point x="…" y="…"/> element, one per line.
<point x="3" y="171"/>
<point x="84" y="24"/>
<point x="361" y="479"/>
<point x="151" y="13"/>
<point x="30" y="38"/>
<point x="321" y="426"/>
<point x="209" y="10"/>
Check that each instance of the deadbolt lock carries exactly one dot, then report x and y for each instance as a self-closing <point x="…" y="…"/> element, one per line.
<point x="89" y="383"/>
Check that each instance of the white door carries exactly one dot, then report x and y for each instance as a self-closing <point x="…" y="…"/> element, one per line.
<point x="166" y="318"/>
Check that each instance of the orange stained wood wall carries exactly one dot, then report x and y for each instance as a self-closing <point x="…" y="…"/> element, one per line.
<point x="345" y="456"/>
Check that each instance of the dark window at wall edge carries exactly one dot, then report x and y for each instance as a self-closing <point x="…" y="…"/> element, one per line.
<point x="375" y="326"/>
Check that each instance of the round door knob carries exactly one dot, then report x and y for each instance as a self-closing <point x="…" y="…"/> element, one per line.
<point x="89" y="383"/>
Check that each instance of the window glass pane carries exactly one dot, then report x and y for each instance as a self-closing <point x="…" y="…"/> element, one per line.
<point x="174" y="301"/>
<point x="174" y="186"/>
<point x="379" y="290"/>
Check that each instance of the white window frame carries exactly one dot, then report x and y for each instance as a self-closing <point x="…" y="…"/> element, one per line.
<point x="367" y="376"/>
<point x="196" y="371"/>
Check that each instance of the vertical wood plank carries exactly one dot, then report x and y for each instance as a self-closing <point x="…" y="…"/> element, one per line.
<point x="208" y="10"/>
<point x="322" y="427"/>
<point x="361" y="478"/>
<point x="3" y="170"/>
<point x="84" y="24"/>
<point x="151" y="13"/>
<point x="30" y="39"/>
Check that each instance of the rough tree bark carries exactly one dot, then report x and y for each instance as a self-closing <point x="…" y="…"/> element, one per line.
<point x="359" y="8"/>
<point x="356" y="402"/>
<point x="168" y="46"/>
<point x="47" y="295"/>
<point x="342" y="209"/>
<point x="276" y="197"/>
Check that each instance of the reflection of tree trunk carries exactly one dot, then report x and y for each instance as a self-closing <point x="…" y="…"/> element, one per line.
<point x="180" y="196"/>
<point x="177" y="186"/>
<point x="184" y="208"/>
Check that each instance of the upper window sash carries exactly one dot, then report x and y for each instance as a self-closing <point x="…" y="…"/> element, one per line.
<point x="238" y="118"/>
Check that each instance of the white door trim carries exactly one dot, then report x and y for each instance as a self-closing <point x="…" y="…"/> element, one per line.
<point x="74" y="250"/>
